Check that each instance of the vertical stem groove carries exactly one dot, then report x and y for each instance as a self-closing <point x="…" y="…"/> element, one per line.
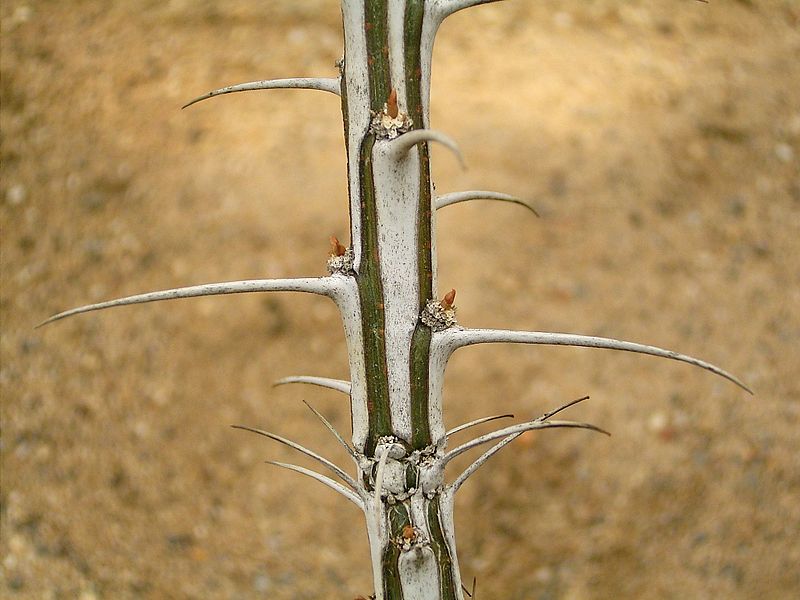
<point x="372" y="308"/>
<point x="420" y="342"/>
<point x="447" y="587"/>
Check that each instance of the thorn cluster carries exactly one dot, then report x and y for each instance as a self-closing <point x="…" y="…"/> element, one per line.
<point x="341" y="258"/>
<point x="389" y="123"/>
<point x="440" y="315"/>
<point x="410" y="537"/>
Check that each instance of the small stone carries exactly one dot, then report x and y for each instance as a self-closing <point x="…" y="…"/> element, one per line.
<point x="16" y="194"/>
<point x="784" y="152"/>
<point x="22" y="14"/>
<point x="262" y="583"/>
<point x="563" y="20"/>
<point x="657" y="422"/>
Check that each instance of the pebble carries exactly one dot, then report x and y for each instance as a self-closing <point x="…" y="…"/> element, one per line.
<point x="261" y="583"/>
<point x="16" y="194"/>
<point x="563" y="20"/>
<point x="784" y="152"/>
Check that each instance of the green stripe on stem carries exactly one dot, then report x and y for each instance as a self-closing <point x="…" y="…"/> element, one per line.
<point x="398" y="518"/>
<point x="373" y="317"/>
<point x="447" y="587"/>
<point x="420" y="342"/>
<point x="377" y="33"/>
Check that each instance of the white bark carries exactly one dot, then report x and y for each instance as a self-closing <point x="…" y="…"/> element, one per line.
<point x="356" y="87"/>
<point x="397" y="241"/>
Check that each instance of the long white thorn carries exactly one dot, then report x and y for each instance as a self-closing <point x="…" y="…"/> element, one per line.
<point x="324" y="286"/>
<point x="340" y="385"/>
<point x="451" y="339"/>
<point x="480" y="421"/>
<point x="310" y="453"/>
<point x="515" y="429"/>
<point x="337" y="487"/>
<point x="483" y="458"/>
<point x="379" y="480"/>
<point x="456" y="197"/>
<point x="445" y="8"/>
<point x="323" y="84"/>
<point x="403" y="144"/>
<point x="335" y="433"/>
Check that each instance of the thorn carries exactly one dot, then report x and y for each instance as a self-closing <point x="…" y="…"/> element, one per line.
<point x="449" y="298"/>
<point x="403" y="144"/>
<point x="456" y="197"/>
<point x="452" y="339"/>
<point x="334" y="384"/>
<point x="477" y="422"/>
<point x="547" y="415"/>
<point x="324" y="286"/>
<point x="323" y="84"/>
<point x="337" y="487"/>
<point x="408" y="532"/>
<point x="336" y="247"/>
<point x="466" y="591"/>
<point x="391" y="104"/>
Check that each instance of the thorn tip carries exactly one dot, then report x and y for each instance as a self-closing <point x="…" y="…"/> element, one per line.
<point x="391" y="104"/>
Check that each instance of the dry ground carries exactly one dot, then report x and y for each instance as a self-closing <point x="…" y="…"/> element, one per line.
<point x="659" y="140"/>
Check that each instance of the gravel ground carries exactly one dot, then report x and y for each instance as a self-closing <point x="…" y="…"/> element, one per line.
<point x="659" y="141"/>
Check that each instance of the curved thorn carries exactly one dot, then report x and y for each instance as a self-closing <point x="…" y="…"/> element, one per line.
<point x="310" y="453"/>
<point x="467" y="473"/>
<point x="513" y="429"/>
<point x="337" y="487"/>
<point x="445" y="8"/>
<point x="324" y="286"/>
<point x="563" y="407"/>
<point x="340" y="385"/>
<point x="503" y="443"/>
<point x="335" y="433"/>
<point x="456" y="197"/>
<point x="452" y="339"/>
<point x="323" y="84"/>
<point x="464" y="426"/>
<point x="379" y="480"/>
<point x="402" y="144"/>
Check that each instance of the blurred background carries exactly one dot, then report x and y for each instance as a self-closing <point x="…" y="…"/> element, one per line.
<point x="659" y="141"/>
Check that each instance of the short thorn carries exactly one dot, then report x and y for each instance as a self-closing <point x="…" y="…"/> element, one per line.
<point x="546" y="416"/>
<point x="449" y="298"/>
<point x="391" y="104"/>
<point x="336" y="247"/>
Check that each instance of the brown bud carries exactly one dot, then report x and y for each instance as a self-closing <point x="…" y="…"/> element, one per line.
<point x="391" y="104"/>
<point x="336" y="247"/>
<point x="449" y="298"/>
<point x="408" y="532"/>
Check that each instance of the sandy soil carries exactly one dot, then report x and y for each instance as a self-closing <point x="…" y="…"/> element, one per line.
<point x="660" y="142"/>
